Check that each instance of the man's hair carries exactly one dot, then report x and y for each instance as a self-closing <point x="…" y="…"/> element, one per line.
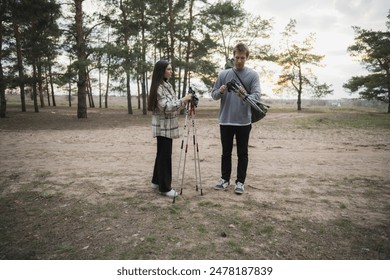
<point x="241" y="47"/>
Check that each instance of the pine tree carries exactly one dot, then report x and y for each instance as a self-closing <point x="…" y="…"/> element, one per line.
<point x="372" y="48"/>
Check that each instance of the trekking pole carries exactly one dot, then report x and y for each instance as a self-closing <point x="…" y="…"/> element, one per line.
<point x="196" y="156"/>
<point x="186" y="149"/>
<point x="195" y="161"/>
<point x="182" y="143"/>
<point x="186" y="128"/>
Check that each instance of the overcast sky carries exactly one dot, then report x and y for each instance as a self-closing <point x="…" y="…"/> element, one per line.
<point x="332" y="21"/>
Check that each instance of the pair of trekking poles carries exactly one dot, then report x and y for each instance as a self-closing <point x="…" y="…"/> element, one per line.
<point x="190" y="117"/>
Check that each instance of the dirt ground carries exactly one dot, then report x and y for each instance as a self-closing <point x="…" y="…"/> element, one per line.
<point x="318" y="187"/>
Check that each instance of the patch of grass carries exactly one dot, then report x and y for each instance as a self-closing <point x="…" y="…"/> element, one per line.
<point x="371" y="186"/>
<point x="344" y="225"/>
<point x="48" y="194"/>
<point x="235" y="247"/>
<point x="140" y="249"/>
<point x="42" y="174"/>
<point x="133" y="201"/>
<point x="311" y="192"/>
<point x="342" y="206"/>
<point x="378" y="245"/>
<point x="14" y="176"/>
<point x="202" y="228"/>
<point x="325" y="200"/>
<point x="175" y="209"/>
<point x="65" y="249"/>
<point x="150" y="239"/>
<point x="246" y="227"/>
<point x="4" y="184"/>
<point x="148" y="208"/>
<point x="267" y="230"/>
<point x="345" y="120"/>
<point x="209" y="204"/>
<point x="30" y="186"/>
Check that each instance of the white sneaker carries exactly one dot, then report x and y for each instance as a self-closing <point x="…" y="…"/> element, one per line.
<point x="155" y="187"/>
<point x="239" y="189"/>
<point x="221" y="185"/>
<point x="172" y="193"/>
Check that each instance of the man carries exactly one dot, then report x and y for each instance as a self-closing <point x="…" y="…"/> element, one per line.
<point x="235" y="116"/>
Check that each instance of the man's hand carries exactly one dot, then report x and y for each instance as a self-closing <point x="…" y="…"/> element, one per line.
<point x="222" y="89"/>
<point x="242" y="90"/>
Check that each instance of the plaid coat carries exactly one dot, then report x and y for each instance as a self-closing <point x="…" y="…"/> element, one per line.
<point x="164" y="118"/>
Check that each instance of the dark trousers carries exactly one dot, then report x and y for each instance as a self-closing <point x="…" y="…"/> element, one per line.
<point x="242" y="139"/>
<point x="162" y="172"/>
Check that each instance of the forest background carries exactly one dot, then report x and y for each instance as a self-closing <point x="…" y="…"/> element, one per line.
<point x="98" y="48"/>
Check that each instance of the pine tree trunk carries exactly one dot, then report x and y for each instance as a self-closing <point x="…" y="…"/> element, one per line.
<point x="139" y="92"/>
<point x="100" y="87"/>
<point x="171" y="52"/>
<point x="70" y="93"/>
<point x="52" y="87"/>
<point x="126" y="43"/>
<point x="3" y="102"/>
<point x="70" y="84"/>
<point x="143" y="78"/>
<point x="20" y="66"/>
<point x="47" y="87"/>
<point x="388" y="90"/>
<point x="107" y="82"/>
<point x="189" y="39"/>
<point x="128" y="92"/>
<point x="299" y="102"/>
<point x="81" y="56"/>
<point x="40" y="86"/>
<point x="89" y="92"/>
<point x="34" y="88"/>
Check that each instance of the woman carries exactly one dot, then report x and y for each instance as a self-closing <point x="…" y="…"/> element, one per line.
<point x="165" y="105"/>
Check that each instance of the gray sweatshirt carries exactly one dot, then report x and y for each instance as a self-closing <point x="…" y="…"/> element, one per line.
<point x="234" y="110"/>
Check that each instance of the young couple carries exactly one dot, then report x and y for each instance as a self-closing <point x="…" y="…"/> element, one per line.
<point x="234" y="120"/>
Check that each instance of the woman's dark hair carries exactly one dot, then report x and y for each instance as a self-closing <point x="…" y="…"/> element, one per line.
<point x="157" y="79"/>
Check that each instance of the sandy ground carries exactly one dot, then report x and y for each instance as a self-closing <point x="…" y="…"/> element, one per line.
<point x="297" y="171"/>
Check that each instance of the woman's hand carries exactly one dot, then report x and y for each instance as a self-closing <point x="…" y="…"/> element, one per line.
<point x="187" y="98"/>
